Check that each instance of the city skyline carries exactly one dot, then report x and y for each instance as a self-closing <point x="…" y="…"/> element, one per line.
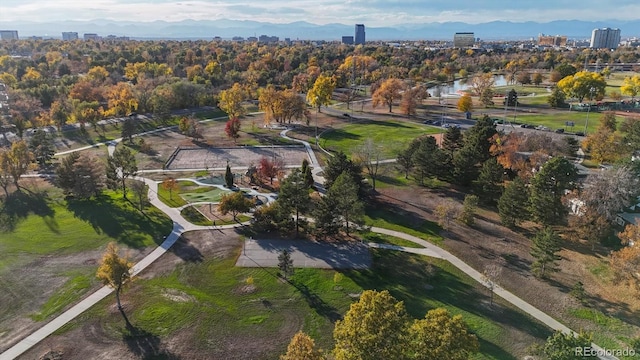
<point x="371" y="12"/>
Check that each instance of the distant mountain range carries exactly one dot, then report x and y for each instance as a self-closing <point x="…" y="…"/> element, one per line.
<point x="192" y="29"/>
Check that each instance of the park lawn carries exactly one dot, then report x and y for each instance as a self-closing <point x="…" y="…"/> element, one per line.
<point x="42" y="225"/>
<point x="388" y="239"/>
<point x="391" y="135"/>
<point x="523" y="91"/>
<point x="80" y="281"/>
<point x="558" y="120"/>
<point x="209" y="299"/>
<point x="393" y="220"/>
<point x="204" y="194"/>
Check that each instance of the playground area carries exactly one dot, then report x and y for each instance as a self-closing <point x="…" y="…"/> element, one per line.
<point x="213" y="158"/>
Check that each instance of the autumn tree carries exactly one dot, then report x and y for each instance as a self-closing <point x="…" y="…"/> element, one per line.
<point x="230" y="101"/>
<point x="580" y="85"/>
<point x="121" y="99"/>
<point x="15" y="162"/>
<point x="302" y="347"/>
<point x="537" y="78"/>
<point x="388" y="92"/>
<point x="114" y="270"/>
<point x="235" y="203"/>
<point x="544" y="248"/>
<point x="445" y="212"/>
<point x="232" y="129"/>
<point x="561" y="346"/>
<point x="465" y="103"/>
<point x="557" y="98"/>
<point x="626" y="261"/>
<point x="120" y="167"/>
<point x="440" y="336"/>
<point x="513" y="204"/>
<point x="631" y="86"/>
<point x="190" y="127"/>
<point x="269" y="168"/>
<point x="373" y="328"/>
<point x="482" y="85"/>
<point x="604" y="145"/>
<point x="170" y="184"/>
<point x="321" y="92"/>
<point x="411" y="97"/>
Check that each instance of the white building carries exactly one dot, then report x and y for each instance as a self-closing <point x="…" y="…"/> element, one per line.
<point x="605" y="38"/>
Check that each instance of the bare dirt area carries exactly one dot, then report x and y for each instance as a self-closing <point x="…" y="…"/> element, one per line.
<point x="94" y="339"/>
<point x="487" y="243"/>
<point x="199" y="158"/>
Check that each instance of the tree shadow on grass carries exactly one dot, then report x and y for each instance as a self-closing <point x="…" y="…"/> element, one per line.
<point x="316" y="303"/>
<point x="144" y="344"/>
<point x="119" y="219"/>
<point x="20" y="204"/>
<point x="186" y="251"/>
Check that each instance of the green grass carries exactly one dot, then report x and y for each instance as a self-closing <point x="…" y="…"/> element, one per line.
<point x="606" y="328"/>
<point x="192" y="215"/>
<point x="391" y="135"/>
<point x="172" y="199"/>
<point x="207" y="298"/>
<point x="205" y="194"/>
<point x="70" y="293"/>
<point x="558" y="120"/>
<point x="404" y="222"/>
<point x="37" y="224"/>
<point x="387" y="239"/>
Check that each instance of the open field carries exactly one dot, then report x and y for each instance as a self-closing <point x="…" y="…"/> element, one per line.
<point x="194" y="303"/>
<point x="50" y="248"/>
<point x="201" y="158"/>
<point x="391" y="135"/>
<point x="557" y="120"/>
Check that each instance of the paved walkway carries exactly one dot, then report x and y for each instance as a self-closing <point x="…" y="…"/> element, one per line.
<point x="181" y="226"/>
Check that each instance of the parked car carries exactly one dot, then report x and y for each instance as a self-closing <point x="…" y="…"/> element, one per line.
<point x="560" y="131"/>
<point x="526" y="126"/>
<point x="579" y="133"/>
<point x="346" y="115"/>
<point x="428" y="122"/>
<point x="542" y="128"/>
<point x="446" y="126"/>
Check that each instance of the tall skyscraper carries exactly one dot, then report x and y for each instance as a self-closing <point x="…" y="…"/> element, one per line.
<point x="605" y="38"/>
<point x="68" y="36"/>
<point x="8" y="34"/>
<point x="359" y="38"/>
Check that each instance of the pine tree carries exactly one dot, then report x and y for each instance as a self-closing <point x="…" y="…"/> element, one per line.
<point x="469" y="207"/>
<point x="489" y="183"/>
<point x="306" y="172"/>
<point x="452" y="140"/>
<point x="228" y="177"/>
<point x="285" y="264"/>
<point x="343" y="194"/>
<point x="512" y="205"/>
<point x="544" y="248"/>
<point x="41" y="145"/>
<point x="294" y="196"/>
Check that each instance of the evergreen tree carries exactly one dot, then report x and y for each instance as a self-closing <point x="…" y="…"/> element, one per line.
<point x="489" y="183"/>
<point x="452" y="139"/>
<point x="348" y="206"/>
<point x="405" y="159"/>
<point x="544" y="248"/>
<point x="338" y="164"/>
<point x="548" y="187"/>
<point x="464" y="166"/>
<point x="306" y="172"/>
<point x="469" y="207"/>
<point x="228" y="177"/>
<point x="294" y="196"/>
<point x="128" y="129"/>
<point x="65" y="178"/>
<point x="424" y="159"/>
<point x="512" y="205"/>
<point x="285" y="264"/>
<point x="41" y="145"/>
<point x="512" y="98"/>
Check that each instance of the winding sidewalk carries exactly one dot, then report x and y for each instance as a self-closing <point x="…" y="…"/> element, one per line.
<point x="180" y="226"/>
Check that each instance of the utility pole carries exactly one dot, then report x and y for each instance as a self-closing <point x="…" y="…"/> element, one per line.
<point x="586" y="123"/>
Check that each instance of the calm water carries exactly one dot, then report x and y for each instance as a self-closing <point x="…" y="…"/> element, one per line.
<point x="452" y="89"/>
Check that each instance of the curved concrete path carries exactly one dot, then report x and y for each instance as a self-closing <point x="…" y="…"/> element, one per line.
<point x="181" y="225"/>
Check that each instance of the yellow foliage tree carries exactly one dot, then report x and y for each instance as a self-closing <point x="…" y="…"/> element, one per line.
<point x="321" y="92"/>
<point x="97" y="74"/>
<point x="604" y="146"/>
<point x="31" y="74"/>
<point x="114" y="271"/>
<point x="441" y="336"/>
<point x="388" y="92"/>
<point x="625" y="263"/>
<point x="121" y="99"/>
<point x="302" y="347"/>
<point x="230" y="101"/>
<point x="583" y="84"/>
<point x="465" y="103"/>
<point x="631" y="86"/>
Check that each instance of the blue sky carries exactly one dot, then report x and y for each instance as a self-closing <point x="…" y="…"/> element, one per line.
<point x="371" y="12"/>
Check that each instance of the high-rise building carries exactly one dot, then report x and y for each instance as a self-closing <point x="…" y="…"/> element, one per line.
<point x="8" y="34"/>
<point x="463" y="39"/>
<point x="348" y="40"/>
<point x="360" y="37"/>
<point x="605" y="38"/>
<point x="68" y="36"/>
<point x="90" y="36"/>
<point x="548" y="40"/>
